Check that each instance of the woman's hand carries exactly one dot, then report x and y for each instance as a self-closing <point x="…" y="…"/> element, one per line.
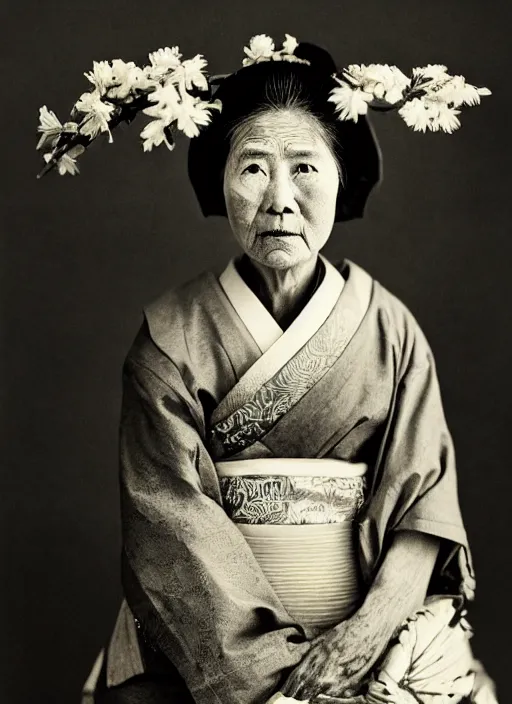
<point x="338" y="659"/>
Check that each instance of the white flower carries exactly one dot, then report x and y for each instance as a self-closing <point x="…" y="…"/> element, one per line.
<point x="380" y="80"/>
<point x="290" y="44"/>
<point x="472" y="95"/>
<point x="50" y="127"/>
<point x="100" y="76"/>
<point x="397" y="85"/>
<point x="173" y="105"/>
<point x="190" y="73"/>
<point x="261" y="48"/>
<point x="355" y="72"/>
<point x="422" y="114"/>
<point x="67" y="162"/>
<point x="163" y="61"/>
<point x="437" y="109"/>
<point x="167" y="99"/>
<point x="97" y="114"/>
<point x="153" y="135"/>
<point x="117" y="80"/>
<point x="415" y="114"/>
<point x="48" y="120"/>
<point x="446" y="119"/>
<point x="350" y="102"/>
<point x="125" y="78"/>
<point x="192" y="113"/>
<point x="457" y="92"/>
<point x="435" y="72"/>
<point x="357" y="75"/>
<point x="287" y="53"/>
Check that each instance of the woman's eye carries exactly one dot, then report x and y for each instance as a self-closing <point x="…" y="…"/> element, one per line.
<point x="253" y="169"/>
<point x="305" y="169"/>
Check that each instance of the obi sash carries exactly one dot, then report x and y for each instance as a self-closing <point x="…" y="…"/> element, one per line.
<point x="297" y="516"/>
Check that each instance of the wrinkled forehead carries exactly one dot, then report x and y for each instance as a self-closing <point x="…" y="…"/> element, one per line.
<point x="280" y="131"/>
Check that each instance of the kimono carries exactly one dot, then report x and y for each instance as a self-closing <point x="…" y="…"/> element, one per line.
<point x="211" y="377"/>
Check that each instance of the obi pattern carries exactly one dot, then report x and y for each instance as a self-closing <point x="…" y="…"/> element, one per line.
<point x="284" y="500"/>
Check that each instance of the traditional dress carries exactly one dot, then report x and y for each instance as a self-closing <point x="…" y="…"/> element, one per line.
<point x="213" y="384"/>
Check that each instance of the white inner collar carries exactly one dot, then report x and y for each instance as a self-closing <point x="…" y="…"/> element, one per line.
<point x="263" y="328"/>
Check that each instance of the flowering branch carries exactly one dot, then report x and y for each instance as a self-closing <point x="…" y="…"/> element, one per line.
<point x="262" y="48"/>
<point x="168" y="89"/>
<point x="178" y="96"/>
<point x="429" y="99"/>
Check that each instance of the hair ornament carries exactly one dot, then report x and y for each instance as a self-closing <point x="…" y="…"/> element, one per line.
<point x="429" y="98"/>
<point x="178" y="95"/>
<point x="175" y="93"/>
<point x="262" y="48"/>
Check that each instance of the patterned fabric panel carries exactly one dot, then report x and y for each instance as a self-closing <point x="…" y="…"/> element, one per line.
<point x="292" y="500"/>
<point x="275" y="398"/>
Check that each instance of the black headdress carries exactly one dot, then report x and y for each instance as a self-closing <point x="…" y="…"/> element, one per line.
<point x="272" y="84"/>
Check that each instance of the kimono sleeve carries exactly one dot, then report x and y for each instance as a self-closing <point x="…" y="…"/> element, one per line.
<point x="416" y="479"/>
<point x="188" y="574"/>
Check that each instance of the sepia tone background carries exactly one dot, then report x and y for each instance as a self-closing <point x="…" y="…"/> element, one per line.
<point x="81" y="256"/>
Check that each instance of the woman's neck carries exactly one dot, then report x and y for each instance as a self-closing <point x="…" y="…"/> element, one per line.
<point x="285" y="290"/>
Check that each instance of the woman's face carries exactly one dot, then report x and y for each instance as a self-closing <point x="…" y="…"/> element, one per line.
<point x="280" y="186"/>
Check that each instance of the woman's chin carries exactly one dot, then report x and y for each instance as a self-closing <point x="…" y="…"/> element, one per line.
<point x="284" y="258"/>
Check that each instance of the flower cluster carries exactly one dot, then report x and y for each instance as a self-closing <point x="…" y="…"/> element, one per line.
<point x="176" y="93"/>
<point x="262" y="48"/>
<point x="429" y="99"/>
<point x="168" y="89"/>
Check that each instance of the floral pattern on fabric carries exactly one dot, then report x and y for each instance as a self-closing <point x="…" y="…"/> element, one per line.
<point x="281" y="500"/>
<point x="274" y="399"/>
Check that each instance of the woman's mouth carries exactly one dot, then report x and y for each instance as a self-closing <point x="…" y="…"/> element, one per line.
<point x="279" y="233"/>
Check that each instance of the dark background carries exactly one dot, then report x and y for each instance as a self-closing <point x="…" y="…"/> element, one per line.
<point x="80" y="256"/>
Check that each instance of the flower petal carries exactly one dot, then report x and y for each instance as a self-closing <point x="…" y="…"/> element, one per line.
<point x="349" y="102"/>
<point x="193" y="72"/>
<point x="153" y="135"/>
<point x="290" y="44"/>
<point x="48" y="120"/>
<point x="415" y="114"/>
<point x="163" y="61"/>
<point x="261" y="47"/>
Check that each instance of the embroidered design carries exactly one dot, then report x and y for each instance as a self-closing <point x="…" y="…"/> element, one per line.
<point x="288" y="500"/>
<point x="275" y="398"/>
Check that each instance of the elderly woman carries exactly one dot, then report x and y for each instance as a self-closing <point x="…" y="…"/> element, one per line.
<point x="289" y="497"/>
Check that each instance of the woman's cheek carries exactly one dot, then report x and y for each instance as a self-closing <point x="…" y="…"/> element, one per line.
<point x="251" y="186"/>
<point x="318" y="205"/>
<point x="312" y="195"/>
<point x="324" y="193"/>
<point x="313" y="186"/>
<point x="242" y="203"/>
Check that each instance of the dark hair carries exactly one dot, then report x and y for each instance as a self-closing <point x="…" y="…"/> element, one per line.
<point x="281" y="85"/>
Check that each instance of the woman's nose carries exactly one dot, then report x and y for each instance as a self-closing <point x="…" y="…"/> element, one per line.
<point x="280" y="195"/>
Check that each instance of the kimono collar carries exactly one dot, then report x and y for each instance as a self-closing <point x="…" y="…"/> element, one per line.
<point x="254" y="280"/>
<point x="263" y="328"/>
